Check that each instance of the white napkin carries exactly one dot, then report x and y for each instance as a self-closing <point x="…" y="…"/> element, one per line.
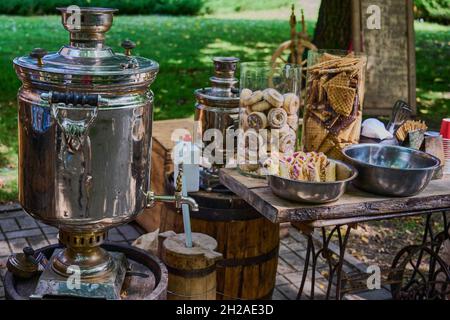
<point x="374" y="128"/>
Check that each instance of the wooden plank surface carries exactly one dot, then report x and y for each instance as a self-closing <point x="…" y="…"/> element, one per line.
<point x="354" y="203"/>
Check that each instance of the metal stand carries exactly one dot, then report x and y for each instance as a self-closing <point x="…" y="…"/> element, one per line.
<point x="334" y="264"/>
<point x="145" y="277"/>
<point x="421" y="273"/>
<point x="52" y="284"/>
<point x="417" y="272"/>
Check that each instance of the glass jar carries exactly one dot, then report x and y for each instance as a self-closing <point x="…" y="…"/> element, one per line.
<point x="269" y="111"/>
<point x="334" y="101"/>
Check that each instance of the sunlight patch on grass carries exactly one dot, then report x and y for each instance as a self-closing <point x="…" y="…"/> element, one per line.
<point x="220" y="45"/>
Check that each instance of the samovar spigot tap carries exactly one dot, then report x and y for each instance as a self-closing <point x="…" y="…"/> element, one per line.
<point x="177" y="198"/>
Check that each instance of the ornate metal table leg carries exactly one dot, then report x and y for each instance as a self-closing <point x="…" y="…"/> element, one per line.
<point x="338" y="267"/>
<point x="418" y="272"/>
<point x="334" y="266"/>
<point x="310" y="250"/>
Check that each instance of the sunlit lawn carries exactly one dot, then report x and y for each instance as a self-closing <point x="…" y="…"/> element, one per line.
<point x="184" y="47"/>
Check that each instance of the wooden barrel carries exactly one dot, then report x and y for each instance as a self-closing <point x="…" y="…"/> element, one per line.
<point x="192" y="271"/>
<point x="248" y="242"/>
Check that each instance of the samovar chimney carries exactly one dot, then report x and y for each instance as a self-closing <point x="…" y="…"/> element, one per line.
<point x="87" y="26"/>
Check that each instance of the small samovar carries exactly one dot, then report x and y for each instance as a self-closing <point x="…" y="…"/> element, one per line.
<point x="216" y="121"/>
<point x="85" y="125"/>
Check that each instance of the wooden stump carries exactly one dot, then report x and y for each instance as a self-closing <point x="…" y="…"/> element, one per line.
<point x="162" y="145"/>
<point x="248" y="241"/>
<point x="192" y="271"/>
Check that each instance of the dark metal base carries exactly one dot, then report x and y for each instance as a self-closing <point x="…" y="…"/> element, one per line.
<point x="418" y="272"/>
<point x="145" y="279"/>
<point x="51" y="284"/>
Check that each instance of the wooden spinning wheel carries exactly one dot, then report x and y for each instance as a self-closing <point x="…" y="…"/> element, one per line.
<point x="291" y="51"/>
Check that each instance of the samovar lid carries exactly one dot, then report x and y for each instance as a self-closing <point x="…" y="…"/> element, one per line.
<point x="223" y="92"/>
<point x="86" y="60"/>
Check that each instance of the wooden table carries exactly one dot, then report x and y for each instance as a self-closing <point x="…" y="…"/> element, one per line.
<point x="354" y="207"/>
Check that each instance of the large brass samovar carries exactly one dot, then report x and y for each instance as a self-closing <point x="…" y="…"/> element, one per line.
<point x="85" y="124"/>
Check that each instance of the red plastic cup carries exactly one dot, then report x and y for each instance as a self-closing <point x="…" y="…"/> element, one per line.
<point x="445" y="128"/>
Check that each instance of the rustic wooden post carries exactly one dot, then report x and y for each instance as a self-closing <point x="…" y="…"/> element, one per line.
<point x="192" y="271"/>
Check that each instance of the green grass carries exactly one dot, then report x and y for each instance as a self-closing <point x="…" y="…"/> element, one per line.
<point x="433" y="71"/>
<point x="245" y="5"/>
<point x="184" y="47"/>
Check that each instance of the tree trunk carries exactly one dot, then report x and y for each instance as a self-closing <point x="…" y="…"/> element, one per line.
<point x="334" y="25"/>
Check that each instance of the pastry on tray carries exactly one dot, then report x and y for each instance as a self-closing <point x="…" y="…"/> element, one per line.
<point x="301" y="166"/>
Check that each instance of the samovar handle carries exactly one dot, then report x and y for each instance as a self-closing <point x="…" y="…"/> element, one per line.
<point x="74" y="130"/>
<point x="73" y="98"/>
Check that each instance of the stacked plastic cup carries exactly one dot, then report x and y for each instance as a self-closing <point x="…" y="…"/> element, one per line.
<point x="445" y="133"/>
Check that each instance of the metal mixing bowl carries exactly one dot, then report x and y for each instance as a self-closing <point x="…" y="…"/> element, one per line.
<point x="313" y="192"/>
<point x="391" y="170"/>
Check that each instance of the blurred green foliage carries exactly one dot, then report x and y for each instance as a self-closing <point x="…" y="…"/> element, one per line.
<point x="38" y="7"/>
<point x="433" y="10"/>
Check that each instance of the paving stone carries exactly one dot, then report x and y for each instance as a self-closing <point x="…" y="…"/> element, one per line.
<point x="277" y="295"/>
<point x="319" y="293"/>
<point x="297" y="247"/>
<point x="41" y="224"/>
<point x="18" y="244"/>
<point x="37" y="242"/>
<point x="12" y="206"/>
<point x="289" y="291"/>
<point x="113" y="231"/>
<point x="294" y="277"/>
<point x="3" y="260"/>
<point x="53" y="240"/>
<point x="293" y="260"/>
<point x="11" y="214"/>
<point x="283" y="267"/>
<point x="129" y="232"/>
<point x="138" y="228"/>
<point x="23" y="233"/>
<point x="280" y="280"/>
<point x="288" y="240"/>
<point x="50" y="231"/>
<point x="115" y="236"/>
<point x="26" y="222"/>
<point x="297" y="235"/>
<point x="8" y="225"/>
<point x="381" y="294"/>
<point x="4" y="249"/>
<point x="3" y="272"/>
<point x="283" y="249"/>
